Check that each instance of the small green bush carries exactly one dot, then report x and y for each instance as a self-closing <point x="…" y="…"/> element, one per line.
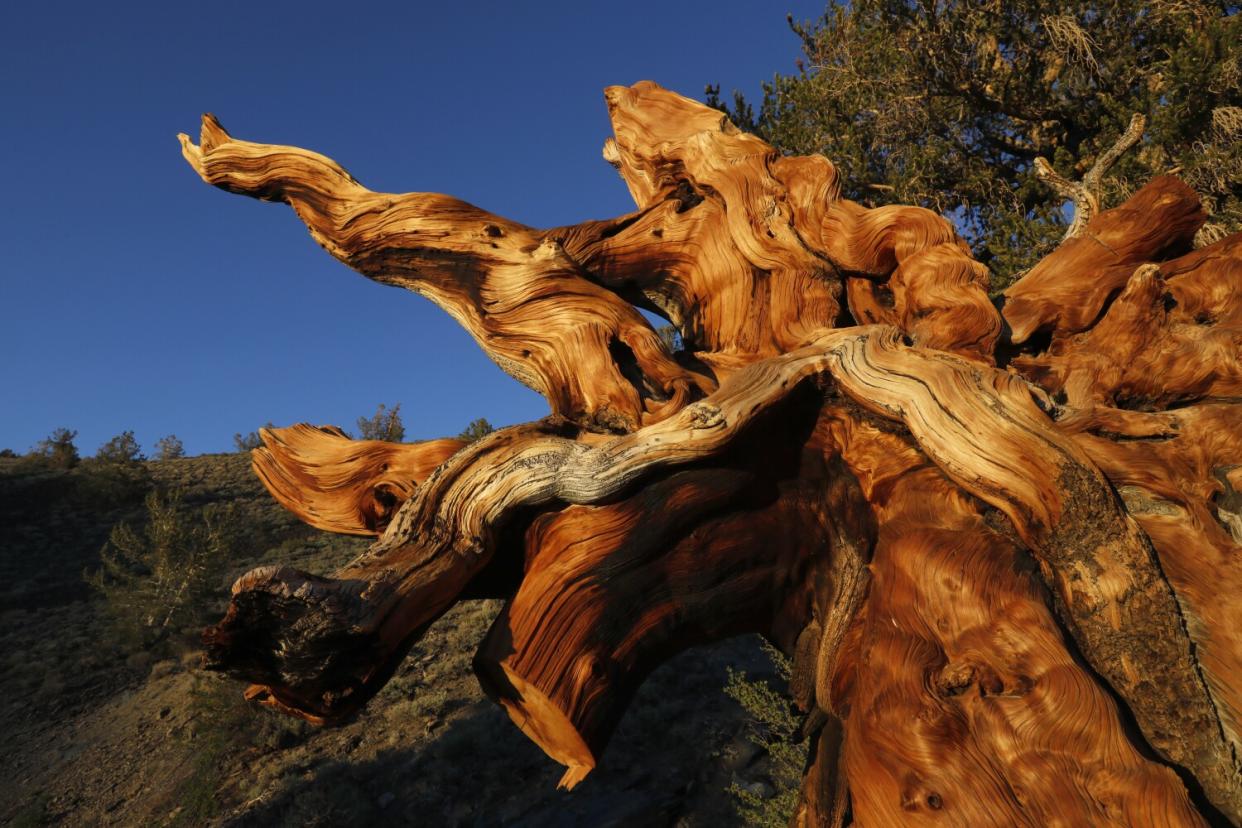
<point x="774" y="728"/>
<point x="121" y="449"/>
<point x="169" y="448"/>
<point x="386" y="425"/>
<point x="165" y="580"/>
<point x="477" y="429"/>
<point x="225" y="725"/>
<point x="58" y="450"/>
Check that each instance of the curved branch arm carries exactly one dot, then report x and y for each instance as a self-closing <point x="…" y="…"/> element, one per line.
<point x="514" y="290"/>
<point x="1144" y="351"/>
<point x="591" y="619"/>
<point x="342" y="485"/>
<point x="1086" y="194"/>
<point x="718" y="244"/>
<point x="321" y="647"/>
<point x="939" y="292"/>
<point x="745" y="250"/>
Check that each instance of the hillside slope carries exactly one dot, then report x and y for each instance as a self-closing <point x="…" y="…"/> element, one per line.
<point x="99" y="734"/>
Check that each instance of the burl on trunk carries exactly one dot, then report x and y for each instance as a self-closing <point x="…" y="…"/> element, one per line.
<point x="1000" y="539"/>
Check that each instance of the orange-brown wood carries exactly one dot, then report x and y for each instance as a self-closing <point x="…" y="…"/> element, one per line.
<point x="1001" y="547"/>
<point x="595" y="358"/>
<point x="1184" y="491"/>
<point x="1067" y="289"/>
<point x="963" y="703"/>
<point x="341" y="485"/>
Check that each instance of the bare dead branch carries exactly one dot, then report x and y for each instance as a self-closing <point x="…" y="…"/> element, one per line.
<point x="1086" y="194"/>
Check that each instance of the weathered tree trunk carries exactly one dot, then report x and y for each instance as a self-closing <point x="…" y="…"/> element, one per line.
<point x="1002" y="546"/>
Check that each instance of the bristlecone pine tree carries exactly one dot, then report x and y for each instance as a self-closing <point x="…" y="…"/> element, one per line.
<point x="999" y="543"/>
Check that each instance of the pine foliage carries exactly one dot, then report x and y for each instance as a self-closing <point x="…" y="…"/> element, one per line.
<point x="946" y="104"/>
<point x="477" y="428"/>
<point x="166" y="578"/>
<point x="774" y="729"/>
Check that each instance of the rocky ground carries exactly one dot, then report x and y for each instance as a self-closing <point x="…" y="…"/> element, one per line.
<point x="101" y="734"/>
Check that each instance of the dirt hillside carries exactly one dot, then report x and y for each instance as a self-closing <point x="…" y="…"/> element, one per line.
<point x="99" y="733"/>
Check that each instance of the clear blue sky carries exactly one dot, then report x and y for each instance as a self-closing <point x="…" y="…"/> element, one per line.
<point x="133" y="296"/>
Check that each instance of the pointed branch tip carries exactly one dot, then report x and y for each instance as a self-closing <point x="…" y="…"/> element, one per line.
<point x="213" y="133"/>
